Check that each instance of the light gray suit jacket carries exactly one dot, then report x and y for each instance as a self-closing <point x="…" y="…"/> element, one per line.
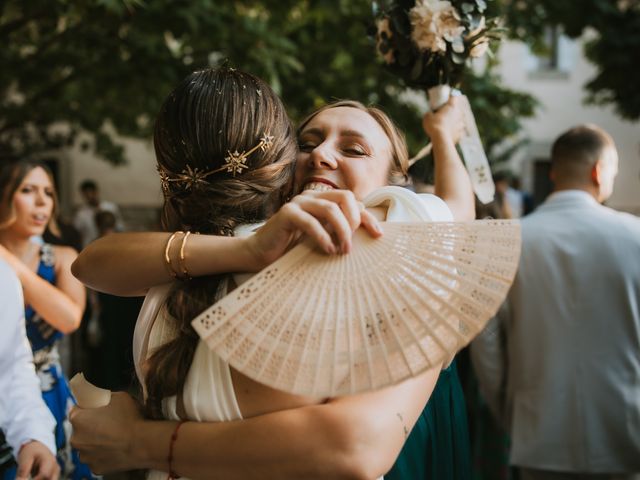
<point x="561" y="361"/>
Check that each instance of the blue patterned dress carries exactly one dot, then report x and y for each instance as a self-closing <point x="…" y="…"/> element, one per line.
<point x="44" y="341"/>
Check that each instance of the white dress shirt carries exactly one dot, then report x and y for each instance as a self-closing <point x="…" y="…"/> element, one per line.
<point x="23" y="414"/>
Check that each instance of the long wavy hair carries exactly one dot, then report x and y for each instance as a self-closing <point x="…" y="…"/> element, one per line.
<point x="211" y="113"/>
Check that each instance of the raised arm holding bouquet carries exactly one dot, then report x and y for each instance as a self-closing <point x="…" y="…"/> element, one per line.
<point x="428" y="43"/>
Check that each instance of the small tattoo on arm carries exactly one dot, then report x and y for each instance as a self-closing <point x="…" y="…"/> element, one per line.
<point x="404" y="427"/>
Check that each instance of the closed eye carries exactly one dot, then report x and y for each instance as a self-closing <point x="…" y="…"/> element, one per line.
<point x="307" y="147"/>
<point x="356" y="151"/>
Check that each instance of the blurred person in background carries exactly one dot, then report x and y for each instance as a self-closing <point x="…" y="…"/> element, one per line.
<point x="25" y="421"/>
<point x="84" y="219"/>
<point x="560" y="363"/>
<point x="54" y="299"/>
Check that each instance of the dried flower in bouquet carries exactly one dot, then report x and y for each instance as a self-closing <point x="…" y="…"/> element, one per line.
<point x="427" y="43"/>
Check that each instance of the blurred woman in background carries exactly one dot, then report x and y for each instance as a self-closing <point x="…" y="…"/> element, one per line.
<point x="54" y="299"/>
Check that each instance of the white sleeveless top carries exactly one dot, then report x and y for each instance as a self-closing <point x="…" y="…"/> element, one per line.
<point x="208" y="393"/>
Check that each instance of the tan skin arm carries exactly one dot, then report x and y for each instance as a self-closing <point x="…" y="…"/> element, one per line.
<point x="452" y="182"/>
<point x="60" y="305"/>
<point x="352" y="437"/>
<point x="108" y="265"/>
<point x="129" y="263"/>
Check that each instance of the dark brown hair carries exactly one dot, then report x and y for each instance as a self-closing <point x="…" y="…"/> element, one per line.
<point x="398" y="171"/>
<point x="12" y="174"/>
<point x="211" y="113"/>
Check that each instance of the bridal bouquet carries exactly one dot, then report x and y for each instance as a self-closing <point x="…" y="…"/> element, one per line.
<point x="427" y="43"/>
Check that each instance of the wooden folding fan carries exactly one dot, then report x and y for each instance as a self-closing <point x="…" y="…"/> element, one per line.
<point x="327" y="325"/>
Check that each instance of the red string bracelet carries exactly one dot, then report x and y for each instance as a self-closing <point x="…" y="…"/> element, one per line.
<point x="173" y="475"/>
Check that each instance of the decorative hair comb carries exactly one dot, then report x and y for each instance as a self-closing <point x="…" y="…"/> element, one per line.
<point x="235" y="163"/>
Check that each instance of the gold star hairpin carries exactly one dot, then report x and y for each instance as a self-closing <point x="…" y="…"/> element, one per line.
<point x="235" y="163"/>
<point x="188" y="178"/>
<point x="266" y="142"/>
<point x="164" y="179"/>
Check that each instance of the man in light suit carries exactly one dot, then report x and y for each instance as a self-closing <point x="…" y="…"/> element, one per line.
<point x="560" y="364"/>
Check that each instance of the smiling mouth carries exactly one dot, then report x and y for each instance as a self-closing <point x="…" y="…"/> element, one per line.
<point x="319" y="185"/>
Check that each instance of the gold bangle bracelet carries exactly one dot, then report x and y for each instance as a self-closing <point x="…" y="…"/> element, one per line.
<point x="167" y="258"/>
<point x="182" y="256"/>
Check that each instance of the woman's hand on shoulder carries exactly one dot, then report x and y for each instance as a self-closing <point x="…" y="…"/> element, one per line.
<point x="328" y="218"/>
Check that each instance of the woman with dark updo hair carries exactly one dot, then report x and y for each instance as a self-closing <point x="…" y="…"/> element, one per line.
<point x="209" y="117"/>
<point x="225" y="152"/>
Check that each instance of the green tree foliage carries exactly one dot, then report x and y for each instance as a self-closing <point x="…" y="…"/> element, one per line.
<point x="89" y="65"/>
<point x="614" y="50"/>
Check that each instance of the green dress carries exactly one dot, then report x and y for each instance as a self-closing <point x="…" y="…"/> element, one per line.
<point x="438" y="446"/>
